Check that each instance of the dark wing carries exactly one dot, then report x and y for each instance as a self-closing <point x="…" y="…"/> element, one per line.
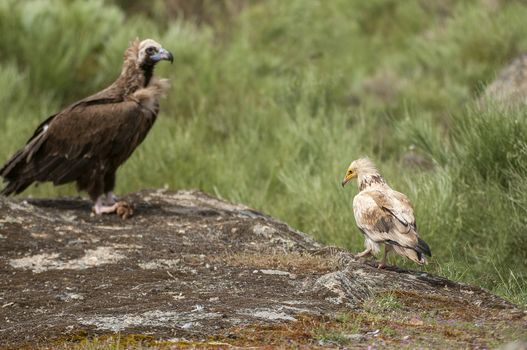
<point x="91" y="133"/>
<point x="32" y="144"/>
<point x="108" y="95"/>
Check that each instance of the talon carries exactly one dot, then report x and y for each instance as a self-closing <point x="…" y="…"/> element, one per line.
<point x="124" y="210"/>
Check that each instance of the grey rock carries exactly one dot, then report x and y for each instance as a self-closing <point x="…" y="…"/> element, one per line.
<point x="181" y="268"/>
<point x="515" y="345"/>
<point x="510" y="86"/>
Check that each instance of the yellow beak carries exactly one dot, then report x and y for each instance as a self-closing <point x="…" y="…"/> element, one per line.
<point x="347" y="179"/>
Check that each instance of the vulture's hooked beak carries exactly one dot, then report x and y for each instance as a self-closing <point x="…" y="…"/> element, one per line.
<point x="347" y="179"/>
<point x="163" y="54"/>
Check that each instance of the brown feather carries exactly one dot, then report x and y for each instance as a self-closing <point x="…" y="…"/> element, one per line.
<point x="386" y="216"/>
<point x="380" y="224"/>
<point x="90" y="139"/>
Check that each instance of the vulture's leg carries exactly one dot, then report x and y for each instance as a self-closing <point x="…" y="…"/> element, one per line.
<point x="387" y="249"/>
<point x="363" y="254"/>
<point x="109" y="198"/>
<point x="105" y="203"/>
<point x="109" y="184"/>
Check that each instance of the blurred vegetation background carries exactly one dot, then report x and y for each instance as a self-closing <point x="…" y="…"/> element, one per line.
<point x="272" y="99"/>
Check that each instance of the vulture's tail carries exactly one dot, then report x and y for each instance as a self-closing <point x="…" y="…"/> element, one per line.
<point x="422" y="247"/>
<point x="15" y="182"/>
<point x="416" y="253"/>
<point x="18" y="171"/>
<point x="14" y="187"/>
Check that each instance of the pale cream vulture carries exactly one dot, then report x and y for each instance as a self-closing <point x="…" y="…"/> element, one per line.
<point x="384" y="216"/>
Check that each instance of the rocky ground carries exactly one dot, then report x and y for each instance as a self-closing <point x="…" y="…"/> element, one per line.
<point x="191" y="270"/>
<point x="510" y="86"/>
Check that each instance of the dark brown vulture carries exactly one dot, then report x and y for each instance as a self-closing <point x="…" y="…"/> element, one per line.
<point x="90" y="139"/>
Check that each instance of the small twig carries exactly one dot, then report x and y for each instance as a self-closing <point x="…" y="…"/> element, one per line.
<point x="171" y="275"/>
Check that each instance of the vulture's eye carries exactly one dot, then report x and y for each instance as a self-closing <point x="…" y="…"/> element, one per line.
<point x="151" y="50"/>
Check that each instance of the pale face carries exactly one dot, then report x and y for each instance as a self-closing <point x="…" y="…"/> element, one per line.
<point x="350" y="174"/>
<point x="151" y="52"/>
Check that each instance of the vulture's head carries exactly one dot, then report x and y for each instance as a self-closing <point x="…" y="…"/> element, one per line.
<point x="150" y="52"/>
<point x="359" y="167"/>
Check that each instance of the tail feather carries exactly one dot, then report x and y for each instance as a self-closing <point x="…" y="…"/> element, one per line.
<point x="11" y="163"/>
<point x="18" y="171"/>
<point x="415" y="253"/>
<point x="423" y="248"/>
<point x="25" y="153"/>
<point x="12" y="172"/>
<point x="15" y="187"/>
<point x="410" y="253"/>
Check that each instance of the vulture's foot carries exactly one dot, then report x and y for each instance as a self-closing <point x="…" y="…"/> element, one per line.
<point x="121" y="208"/>
<point x="109" y="199"/>
<point x="124" y="209"/>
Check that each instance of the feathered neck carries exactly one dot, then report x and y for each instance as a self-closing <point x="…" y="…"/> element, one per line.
<point x="370" y="180"/>
<point x="134" y="75"/>
<point x="367" y="174"/>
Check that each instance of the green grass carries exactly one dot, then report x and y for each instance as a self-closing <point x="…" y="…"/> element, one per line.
<point x="384" y="303"/>
<point x="269" y="106"/>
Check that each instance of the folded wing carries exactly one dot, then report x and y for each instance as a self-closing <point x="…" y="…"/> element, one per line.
<point x="387" y="217"/>
<point x="81" y="139"/>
